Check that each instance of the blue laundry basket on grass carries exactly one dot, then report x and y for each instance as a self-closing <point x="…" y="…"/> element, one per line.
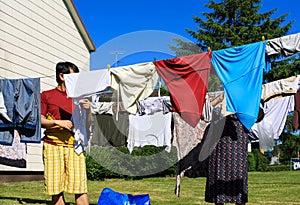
<point x="111" y="197"/>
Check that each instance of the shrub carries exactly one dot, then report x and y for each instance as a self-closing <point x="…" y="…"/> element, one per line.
<point x="276" y="168"/>
<point x="251" y="162"/>
<point x="101" y="162"/>
<point x="261" y="160"/>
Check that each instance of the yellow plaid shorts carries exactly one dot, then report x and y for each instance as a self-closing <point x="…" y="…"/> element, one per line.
<point x="64" y="170"/>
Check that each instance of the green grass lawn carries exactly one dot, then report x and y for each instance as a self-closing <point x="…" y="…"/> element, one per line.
<point x="264" y="188"/>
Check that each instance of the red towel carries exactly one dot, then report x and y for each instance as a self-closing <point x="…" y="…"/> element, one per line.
<point x="186" y="78"/>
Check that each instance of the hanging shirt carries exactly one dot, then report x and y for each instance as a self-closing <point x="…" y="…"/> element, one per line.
<point x="86" y="83"/>
<point x="274" y="120"/>
<point x="98" y="108"/>
<point x="286" y="45"/>
<point x="186" y="78"/>
<point x="240" y="69"/>
<point x="152" y="129"/>
<point x="185" y="137"/>
<point x="152" y="105"/>
<point x="279" y="88"/>
<point x="14" y="155"/>
<point x="134" y="83"/>
<point x="79" y="118"/>
<point x="20" y="110"/>
<point x="107" y="131"/>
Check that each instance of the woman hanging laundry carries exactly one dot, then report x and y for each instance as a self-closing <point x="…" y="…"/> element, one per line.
<point x="227" y="179"/>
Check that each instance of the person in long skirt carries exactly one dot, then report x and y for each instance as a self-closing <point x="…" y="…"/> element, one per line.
<point x="227" y="180"/>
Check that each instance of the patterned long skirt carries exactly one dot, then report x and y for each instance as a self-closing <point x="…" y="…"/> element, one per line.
<point x="227" y="180"/>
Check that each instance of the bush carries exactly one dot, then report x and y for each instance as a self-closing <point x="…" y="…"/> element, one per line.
<point x="117" y="162"/>
<point x="100" y="162"/>
<point x="276" y="168"/>
<point x="94" y="170"/>
<point x="251" y="162"/>
<point x="261" y="160"/>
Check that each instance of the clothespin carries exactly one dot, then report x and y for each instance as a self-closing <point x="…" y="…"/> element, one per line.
<point x="154" y="60"/>
<point x="209" y="51"/>
<point x="263" y="38"/>
<point x="108" y="67"/>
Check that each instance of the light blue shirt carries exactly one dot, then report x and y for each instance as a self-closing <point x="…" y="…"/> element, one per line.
<point x="240" y="69"/>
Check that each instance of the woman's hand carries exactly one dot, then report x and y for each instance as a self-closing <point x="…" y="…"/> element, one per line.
<point x="85" y="103"/>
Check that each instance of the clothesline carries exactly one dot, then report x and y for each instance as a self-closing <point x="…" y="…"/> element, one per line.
<point x="119" y="74"/>
<point x="187" y="77"/>
<point x="286" y="45"/>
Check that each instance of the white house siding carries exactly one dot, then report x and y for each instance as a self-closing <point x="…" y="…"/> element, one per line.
<point x="34" y="36"/>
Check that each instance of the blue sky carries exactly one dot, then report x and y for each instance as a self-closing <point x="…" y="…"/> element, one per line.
<point x="132" y="31"/>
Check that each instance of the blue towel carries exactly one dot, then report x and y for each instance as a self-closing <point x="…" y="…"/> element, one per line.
<point x="111" y="197"/>
<point x="240" y="69"/>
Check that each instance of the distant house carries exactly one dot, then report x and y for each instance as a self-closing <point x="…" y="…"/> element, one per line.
<point x="34" y="36"/>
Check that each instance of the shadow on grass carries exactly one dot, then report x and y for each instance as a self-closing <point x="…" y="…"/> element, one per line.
<point x="30" y="201"/>
<point x="26" y="200"/>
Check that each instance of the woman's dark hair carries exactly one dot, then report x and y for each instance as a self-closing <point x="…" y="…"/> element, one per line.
<point x="64" y="68"/>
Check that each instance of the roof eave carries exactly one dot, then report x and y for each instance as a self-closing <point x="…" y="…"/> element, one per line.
<point x="80" y="26"/>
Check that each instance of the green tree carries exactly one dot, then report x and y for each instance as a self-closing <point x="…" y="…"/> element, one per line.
<point x="236" y="22"/>
<point x="184" y="48"/>
<point x="233" y="23"/>
<point x="283" y="68"/>
<point x="290" y="147"/>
